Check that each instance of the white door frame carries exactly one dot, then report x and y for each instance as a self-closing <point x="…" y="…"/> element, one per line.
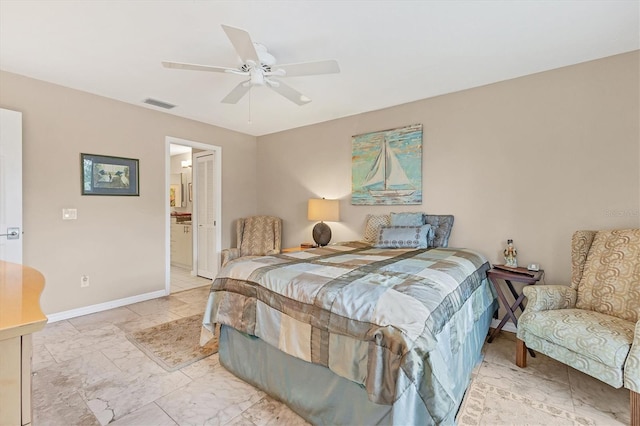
<point x="217" y="150"/>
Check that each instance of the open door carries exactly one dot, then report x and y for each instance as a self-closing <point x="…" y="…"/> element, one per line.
<point x="10" y="186"/>
<point x="205" y="218"/>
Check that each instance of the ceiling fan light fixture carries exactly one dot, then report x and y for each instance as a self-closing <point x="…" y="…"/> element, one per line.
<point x="257" y="77"/>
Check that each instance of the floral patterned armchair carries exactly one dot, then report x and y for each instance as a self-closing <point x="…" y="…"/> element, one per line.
<point x="592" y="325"/>
<point x="257" y="236"/>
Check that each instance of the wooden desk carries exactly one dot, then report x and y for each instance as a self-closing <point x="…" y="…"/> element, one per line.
<point x="20" y="315"/>
<point x="495" y="274"/>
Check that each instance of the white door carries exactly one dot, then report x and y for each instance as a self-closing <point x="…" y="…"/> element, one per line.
<point x="10" y="186"/>
<point x="205" y="207"/>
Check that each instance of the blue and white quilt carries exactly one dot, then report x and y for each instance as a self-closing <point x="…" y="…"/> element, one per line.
<point x="388" y="319"/>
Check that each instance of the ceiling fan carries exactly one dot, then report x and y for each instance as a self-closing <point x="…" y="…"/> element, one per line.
<point x="260" y="66"/>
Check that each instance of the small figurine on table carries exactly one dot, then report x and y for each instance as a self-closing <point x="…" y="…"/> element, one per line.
<point x="510" y="254"/>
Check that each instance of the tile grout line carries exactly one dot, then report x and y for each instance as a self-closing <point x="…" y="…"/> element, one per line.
<point x="164" y="411"/>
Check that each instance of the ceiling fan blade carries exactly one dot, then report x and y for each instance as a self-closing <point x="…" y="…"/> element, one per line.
<point x="237" y="93"/>
<point x="241" y="41"/>
<point x="290" y="93"/>
<point x="310" y="68"/>
<point x="195" y="67"/>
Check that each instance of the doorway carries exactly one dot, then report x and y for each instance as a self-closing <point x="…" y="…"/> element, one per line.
<point x="205" y="205"/>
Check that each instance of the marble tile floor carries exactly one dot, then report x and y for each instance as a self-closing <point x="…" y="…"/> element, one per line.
<point x="88" y="373"/>
<point x="181" y="280"/>
<point x="546" y="392"/>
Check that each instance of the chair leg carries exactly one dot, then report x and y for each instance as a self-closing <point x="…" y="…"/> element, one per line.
<point x="521" y="354"/>
<point x="635" y="408"/>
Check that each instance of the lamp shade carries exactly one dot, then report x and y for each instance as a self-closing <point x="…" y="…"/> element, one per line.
<point x="322" y="209"/>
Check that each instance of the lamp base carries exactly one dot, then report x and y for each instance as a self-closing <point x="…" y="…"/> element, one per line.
<point x="321" y="234"/>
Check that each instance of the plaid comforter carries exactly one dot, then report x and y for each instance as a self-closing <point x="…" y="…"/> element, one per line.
<point x="371" y="315"/>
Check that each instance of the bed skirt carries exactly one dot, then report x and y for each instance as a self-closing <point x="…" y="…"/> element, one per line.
<point x="323" y="398"/>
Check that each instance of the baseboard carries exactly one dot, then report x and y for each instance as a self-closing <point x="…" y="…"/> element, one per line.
<point x="60" y="316"/>
<point x="507" y="327"/>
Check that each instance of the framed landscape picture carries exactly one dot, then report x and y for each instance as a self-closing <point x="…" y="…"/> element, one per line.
<point x="106" y="175"/>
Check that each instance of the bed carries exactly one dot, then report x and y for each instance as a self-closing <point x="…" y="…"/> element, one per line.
<point x="355" y="333"/>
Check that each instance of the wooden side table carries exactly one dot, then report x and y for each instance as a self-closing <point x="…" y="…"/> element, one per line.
<point x="303" y="246"/>
<point x="291" y="249"/>
<point x="520" y="275"/>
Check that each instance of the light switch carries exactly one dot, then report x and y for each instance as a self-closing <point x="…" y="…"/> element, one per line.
<point x="69" y="214"/>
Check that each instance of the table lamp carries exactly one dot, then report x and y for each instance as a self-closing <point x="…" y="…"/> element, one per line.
<point x="322" y="209"/>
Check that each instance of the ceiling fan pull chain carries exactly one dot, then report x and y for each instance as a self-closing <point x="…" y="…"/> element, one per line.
<point x="250" y="96"/>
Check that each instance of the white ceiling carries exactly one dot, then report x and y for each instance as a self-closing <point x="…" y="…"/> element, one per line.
<point x="390" y="52"/>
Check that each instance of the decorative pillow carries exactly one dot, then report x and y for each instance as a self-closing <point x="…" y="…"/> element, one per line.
<point x="406" y="219"/>
<point x="441" y="225"/>
<point x="372" y="226"/>
<point x="403" y="237"/>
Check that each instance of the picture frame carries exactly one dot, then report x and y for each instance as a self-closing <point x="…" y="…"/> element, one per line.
<point x="174" y="195"/>
<point x="386" y="167"/>
<point x="107" y="175"/>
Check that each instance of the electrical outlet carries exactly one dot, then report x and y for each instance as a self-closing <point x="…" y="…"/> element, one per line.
<point x="84" y="280"/>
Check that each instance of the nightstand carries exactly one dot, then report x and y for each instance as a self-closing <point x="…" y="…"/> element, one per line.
<point x="303" y="246"/>
<point x="520" y="275"/>
<point x="291" y="249"/>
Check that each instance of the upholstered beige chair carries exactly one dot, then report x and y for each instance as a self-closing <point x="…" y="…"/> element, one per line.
<point x="593" y="324"/>
<point x="257" y="236"/>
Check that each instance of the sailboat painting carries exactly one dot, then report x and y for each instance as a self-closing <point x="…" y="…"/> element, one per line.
<point x="387" y="167"/>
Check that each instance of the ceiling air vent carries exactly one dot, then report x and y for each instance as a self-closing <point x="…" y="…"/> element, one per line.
<point x="158" y="103"/>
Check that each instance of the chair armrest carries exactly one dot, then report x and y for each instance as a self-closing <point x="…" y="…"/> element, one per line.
<point x="549" y="297"/>
<point x="632" y="364"/>
<point x="229" y="254"/>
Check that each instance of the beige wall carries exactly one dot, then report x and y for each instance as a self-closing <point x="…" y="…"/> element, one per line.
<point x="570" y="134"/>
<point x="531" y="159"/>
<point x="118" y="241"/>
